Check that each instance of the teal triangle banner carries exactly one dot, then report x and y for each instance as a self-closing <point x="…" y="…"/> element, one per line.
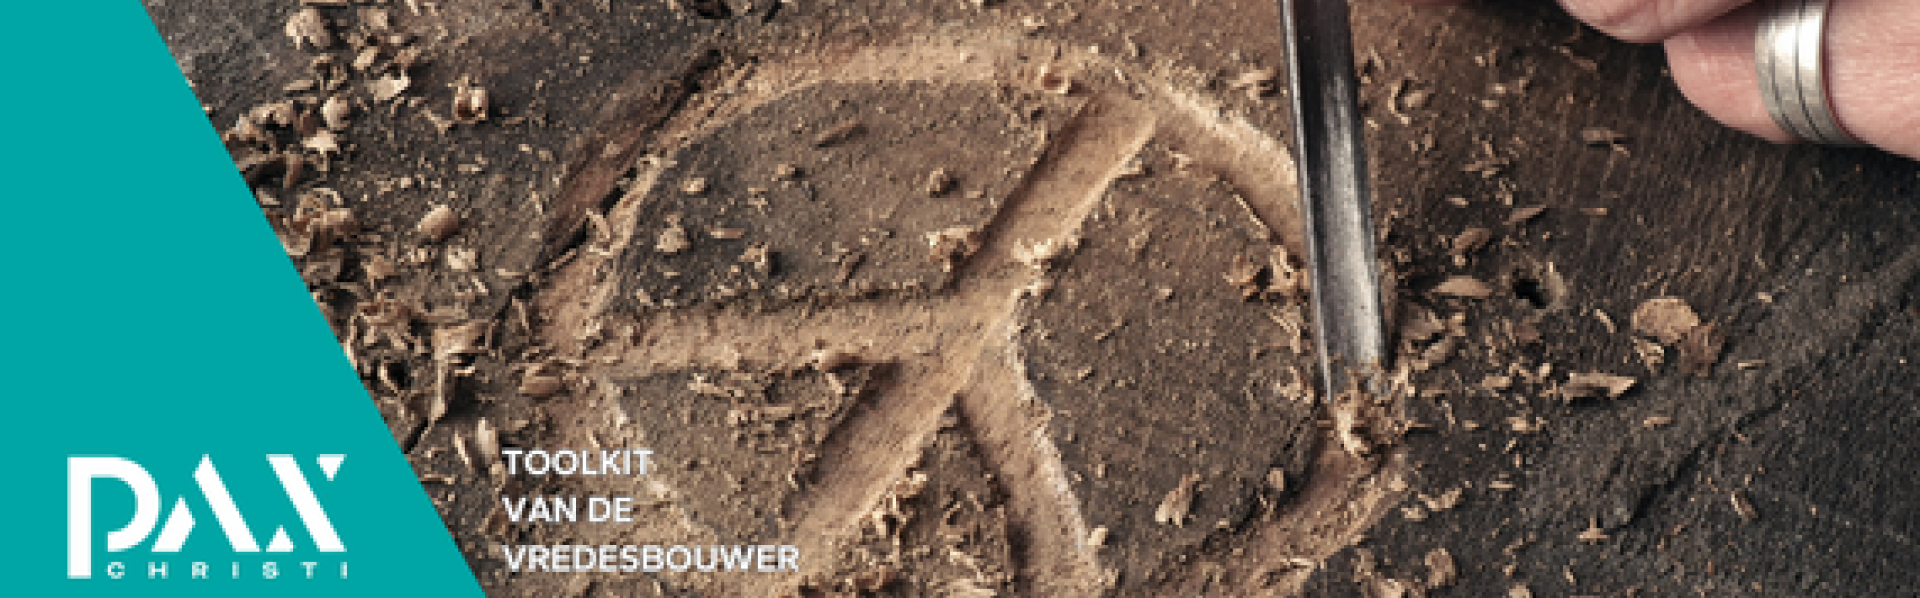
<point x="181" y="420"/>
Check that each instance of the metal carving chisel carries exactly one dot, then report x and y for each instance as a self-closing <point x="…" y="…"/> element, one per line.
<point x="1332" y="158"/>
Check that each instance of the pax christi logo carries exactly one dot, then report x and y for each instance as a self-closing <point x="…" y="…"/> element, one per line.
<point x="88" y="474"/>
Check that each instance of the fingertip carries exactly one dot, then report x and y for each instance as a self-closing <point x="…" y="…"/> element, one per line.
<point x="1648" y="21"/>
<point x="1713" y="66"/>
<point x="1873" y="62"/>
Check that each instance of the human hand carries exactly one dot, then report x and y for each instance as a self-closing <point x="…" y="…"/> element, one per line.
<point x="1872" y="60"/>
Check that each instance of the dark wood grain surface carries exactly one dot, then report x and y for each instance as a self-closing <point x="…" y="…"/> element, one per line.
<point x="1806" y="258"/>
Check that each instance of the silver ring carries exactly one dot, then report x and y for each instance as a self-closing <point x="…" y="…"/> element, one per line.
<point x="1790" y="57"/>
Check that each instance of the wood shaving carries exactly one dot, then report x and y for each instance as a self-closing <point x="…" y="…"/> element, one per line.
<point x="1441" y="570"/>
<point x="1595" y="384"/>
<point x="486" y="441"/>
<point x="891" y="514"/>
<point x="1177" y="505"/>
<point x="1521" y="424"/>
<point x="540" y="385"/>
<point x="469" y="105"/>
<point x="1256" y="82"/>
<point x="437" y="400"/>
<point x="939" y="182"/>
<point x="837" y="133"/>
<point x="279" y="114"/>
<point x="314" y="227"/>
<point x="1097" y="537"/>
<point x="1651" y="353"/>
<point x="365" y="60"/>
<point x="323" y="143"/>
<point x="673" y="239"/>
<point x="1522" y="215"/>
<point x="1415" y="99"/>
<point x="1496" y="382"/>
<point x="1419" y="324"/>
<point x="950" y="246"/>
<point x="1667" y="319"/>
<point x="1464" y="286"/>
<point x="1347" y="428"/>
<point x="1606" y="321"/>
<point x="463" y="259"/>
<point x="1602" y="137"/>
<point x="1593" y="535"/>
<point x="1289" y="282"/>
<point x="245" y="130"/>
<point x="309" y="28"/>
<point x="759" y="257"/>
<point x="385" y="311"/>
<point x="1742" y="506"/>
<point x="1700" y="349"/>
<point x="408" y="58"/>
<point x="460" y="450"/>
<point x="1184" y="163"/>
<point x="336" y="112"/>
<point x="827" y="360"/>
<point x="377" y="19"/>
<point x="1054" y="82"/>
<point x="1470" y="240"/>
<point x="1387" y="587"/>
<point x="450" y="342"/>
<point x="1244" y="275"/>
<point x="389" y="87"/>
<point x="1446" y="500"/>
<point x="964" y="587"/>
<point x="700" y="385"/>
<point x="1437" y="353"/>
<point x="439" y="223"/>
<point x="1488" y="167"/>
<point x="378" y="268"/>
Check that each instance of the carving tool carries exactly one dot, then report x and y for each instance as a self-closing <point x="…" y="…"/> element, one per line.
<point x="1332" y="159"/>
